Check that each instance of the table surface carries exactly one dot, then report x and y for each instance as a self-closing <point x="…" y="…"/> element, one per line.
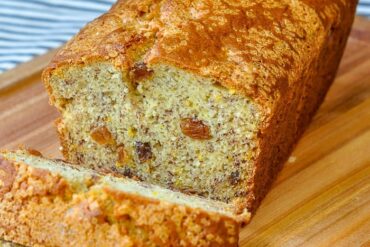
<point x="321" y="197"/>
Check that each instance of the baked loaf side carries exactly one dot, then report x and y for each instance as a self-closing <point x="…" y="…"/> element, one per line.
<point x="51" y="203"/>
<point x="197" y="96"/>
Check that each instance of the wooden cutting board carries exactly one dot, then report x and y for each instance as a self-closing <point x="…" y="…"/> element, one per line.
<point x="322" y="196"/>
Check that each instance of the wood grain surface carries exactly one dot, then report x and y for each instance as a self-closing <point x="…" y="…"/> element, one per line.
<point x="322" y="196"/>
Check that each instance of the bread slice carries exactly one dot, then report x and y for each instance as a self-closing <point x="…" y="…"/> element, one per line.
<point x="203" y="97"/>
<point x="52" y="203"/>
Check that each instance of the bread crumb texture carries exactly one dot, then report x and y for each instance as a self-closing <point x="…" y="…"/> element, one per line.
<point x="204" y="97"/>
<point x="40" y="208"/>
<point x="170" y="130"/>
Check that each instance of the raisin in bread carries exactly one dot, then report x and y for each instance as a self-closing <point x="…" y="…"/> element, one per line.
<point x="52" y="203"/>
<point x="203" y="97"/>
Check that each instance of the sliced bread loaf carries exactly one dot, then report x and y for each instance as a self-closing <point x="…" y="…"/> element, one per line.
<point x="203" y="97"/>
<point x="52" y="203"/>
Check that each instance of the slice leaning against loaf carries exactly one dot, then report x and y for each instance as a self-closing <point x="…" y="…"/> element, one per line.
<point x="203" y="97"/>
<point x="51" y="203"/>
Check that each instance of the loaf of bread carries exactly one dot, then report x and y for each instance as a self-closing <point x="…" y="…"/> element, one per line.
<point x="52" y="203"/>
<point x="202" y="97"/>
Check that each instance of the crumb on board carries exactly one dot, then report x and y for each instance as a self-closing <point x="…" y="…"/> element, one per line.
<point x="292" y="159"/>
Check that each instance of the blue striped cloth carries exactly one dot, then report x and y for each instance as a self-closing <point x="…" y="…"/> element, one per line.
<point x="32" y="27"/>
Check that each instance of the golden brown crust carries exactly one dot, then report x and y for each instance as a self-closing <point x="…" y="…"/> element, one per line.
<point x="256" y="47"/>
<point x="295" y="110"/>
<point x="282" y="55"/>
<point x="44" y="209"/>
<point x="7" y="176"/>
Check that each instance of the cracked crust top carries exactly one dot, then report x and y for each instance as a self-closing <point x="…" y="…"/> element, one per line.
<point x="254" y="47"/>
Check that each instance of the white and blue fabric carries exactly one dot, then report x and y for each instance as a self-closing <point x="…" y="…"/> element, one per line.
<point x="32" y="27"/>
<point x="364" y="8"/>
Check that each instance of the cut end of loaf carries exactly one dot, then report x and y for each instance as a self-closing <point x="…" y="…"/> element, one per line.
<point x="160" y="125"/>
